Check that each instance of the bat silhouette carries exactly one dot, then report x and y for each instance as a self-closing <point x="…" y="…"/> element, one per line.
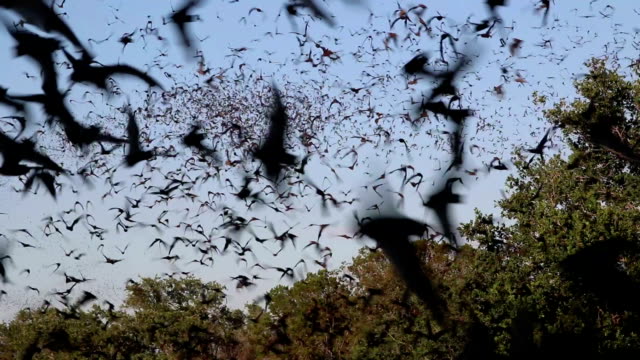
<point x="493" y="5"/>
<point x="439" y="202"/>
<point x="195" y="140"/>
<point x="539" y="149"/>
<point x="417" y="64"/>
<point x="14" y="153"/>
<point x="272" y="152"/>
<point x="315" y="10"/>
<point x="135" y="154"/>
<point x="45" y="178"/>
<point x="596" y="269"/>
<point x="181" y="18"/>
<point x="40" y="50"/>
<point x="39" y="14"/>
<point x="392" y="236"/>
<point x="6" y="100"/>
<point x="83" y="71"/>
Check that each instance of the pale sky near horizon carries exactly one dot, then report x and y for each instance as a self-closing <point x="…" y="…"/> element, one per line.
<point x="544" y="68"/>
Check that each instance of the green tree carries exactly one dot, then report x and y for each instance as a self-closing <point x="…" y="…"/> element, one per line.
<point x="363" y="311"/>
<point x="309" y="320"/>
<point x="162" y="319"/>
<point x="561" y="280"/>
<point x="184" y="318"/>
<point x="47" y="333"/>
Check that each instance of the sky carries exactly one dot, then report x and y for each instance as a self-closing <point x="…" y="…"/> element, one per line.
<point x="550" y="58"/>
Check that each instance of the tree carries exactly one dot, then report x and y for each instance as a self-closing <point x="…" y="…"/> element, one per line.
<point x="364" y="311"/>
<point x="309" y="320"/>
<point x="162" y="318"/>
<point x="184" y="318"/>
<point x="562" y="279"/>
<point x="46" y="333"/>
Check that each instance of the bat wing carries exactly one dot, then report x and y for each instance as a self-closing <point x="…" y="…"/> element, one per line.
<point x="133" y="132"/>
<point x="129" y="70"/>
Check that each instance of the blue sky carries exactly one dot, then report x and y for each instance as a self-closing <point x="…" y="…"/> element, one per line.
<point x="512" y="121"/>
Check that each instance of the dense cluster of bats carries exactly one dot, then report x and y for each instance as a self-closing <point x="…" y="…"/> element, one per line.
<point x="280" y="174"/>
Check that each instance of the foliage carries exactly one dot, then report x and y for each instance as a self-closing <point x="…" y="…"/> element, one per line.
<point x="162" y="318"/>
<point x="362" y="311"/>
<point x="184" y="317"/>
<point x="310" y="320"/>
<point x="563" y="277"/>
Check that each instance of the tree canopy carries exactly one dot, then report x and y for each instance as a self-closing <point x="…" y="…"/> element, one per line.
<point x="161" y="318"/>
